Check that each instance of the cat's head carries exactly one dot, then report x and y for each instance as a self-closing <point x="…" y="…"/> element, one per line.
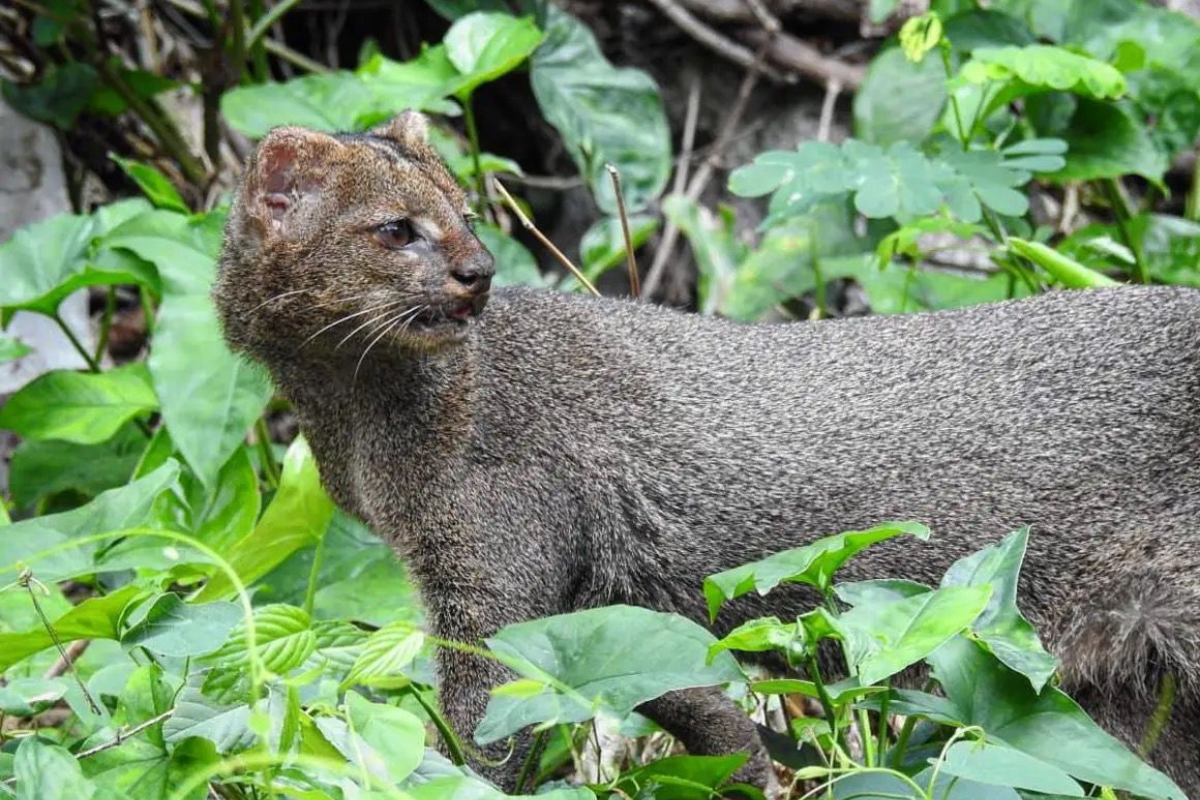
<point x="340" y="242"/>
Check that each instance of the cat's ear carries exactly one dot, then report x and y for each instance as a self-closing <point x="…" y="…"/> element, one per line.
<point x="289" y="165"/>
<point x="409" y="129"/>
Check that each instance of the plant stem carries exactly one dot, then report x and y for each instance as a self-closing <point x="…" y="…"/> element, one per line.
<point x="262" y="438"/>
<point x="883" y="724"/>
<point x="1121" y="213"/>
<point x="310" y="594"/>
<point x="1162" y="712"/>
<point x="92" y="364"/>
<point x="826" y="702"/>
<point x="264" y="23"/>
<point x="147" y="309"/>
<point x="910" y="722"/>
<point x="27" y="580"/>
<point x="527" y="765"/>
<point x="453" y="745"/>
<point x="237" y="47"/>
<point x="1191" y="208"/>
<point x="258" y="53"/>
<point x="964" y="137"/>
<point x="473" y="138"/>
<point x="635" y="288"/>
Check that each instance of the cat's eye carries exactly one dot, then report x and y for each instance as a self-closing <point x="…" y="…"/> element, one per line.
<point x="395" y="234"/>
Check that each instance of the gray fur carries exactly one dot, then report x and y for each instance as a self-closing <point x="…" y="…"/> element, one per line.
<point x="569" y="452"/>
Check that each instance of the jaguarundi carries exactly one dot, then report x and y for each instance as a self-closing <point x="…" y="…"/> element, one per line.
<point x="530" y="453"/>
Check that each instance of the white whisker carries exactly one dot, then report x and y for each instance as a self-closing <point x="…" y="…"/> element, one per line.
<point x="403" y="317"/>
<point x="279" y="296"/>
<point x="374" y="320"/>
<point x="340" y="320"/>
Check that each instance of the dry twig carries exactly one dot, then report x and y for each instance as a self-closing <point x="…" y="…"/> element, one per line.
<point x="722" y="46"/>
<point x="630" y="258"/>
<point x="527" y="223"/>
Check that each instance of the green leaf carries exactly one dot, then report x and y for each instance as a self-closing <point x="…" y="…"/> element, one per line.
<point x="878" y="591"/>
<point x="1067" y="271"/>
<point x="814" y="564"/>
<point x="1044" y="67"/>
<point x="919" y="35"/>
<point x="25" y="697"/>
<point x="84" y="408"/>
<point x="515" y="265"/>
<point x="143" y="770"/>
<point x="839" y="692"/>
<point x="94" y="618"/>
<point x="899" y="100"/>
<point x="1106" y="141"/>
<point x="978" y="27"/>
<point x="605" y="114"/>
<point x="885" y="637"/>
<point x="225" y="723"/>
<point x="283" y="635"/>
<point x="1002" y="626"/>
<point x="158" y="190"/>
<point x="44" y="263"/>
<point x="58" y="98"/>
<point x="906" y="240"/>
<point x="683" y="777"/>
<point x="49" y="772"/>
<point x="12" y="348"/>
<point x="383" y="657"/>
<point x="335" y="101"/>
<point x="603" y="245"/>
<point x="297" y="516"/>
<point x="184" y="249"/>
<point x="44" y="469"/>
<point x="1003" y="766"/>
<point x="396" y="735"/>
<point x="561" y="650"/>
<point x="167" y="626"/>
<point x="982" y="691"/>
<point x="714" y="245"/>
<point x="759" y="635"/>
<point x="484" y="45"/>
<point x="208" y="403"/>
<point x="114" y="510"/>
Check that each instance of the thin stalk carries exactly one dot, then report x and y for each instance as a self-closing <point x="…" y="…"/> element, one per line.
<point x="814" y="672"/>
<point x="453" y="746"/>
<point x="1191" y="208"/>
<point x="264" y="23"/>
<point x="527" y="765"/>
<point x="902" y="741"/>
<point x="148" y="317"/>
<point x="310" y="594"/>
<point x="281" y="50"/>
<point x="262" y="439"/>
<point x="258" y="53"/>
<point x="237" y="45"/>
<point x="473" y="139"/>
<point x="962" y="132"/>
<point x="1162" y="712"/>
<point x="868" y="741"/>
<point x="634" y="283"/>
<point x="110" y="306"/>
<point x="92" y="364"/>
<point x="821" y="296"/>
<point x="1121" y="213"/>
<point x="881" y="748"/>
<point x="26" y="580"/>
<point x="527" y="223"/>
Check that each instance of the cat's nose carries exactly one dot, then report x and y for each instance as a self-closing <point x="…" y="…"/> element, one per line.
<point x="475" y="275"/>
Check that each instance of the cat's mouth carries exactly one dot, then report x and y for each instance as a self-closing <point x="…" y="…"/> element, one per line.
<point x="458" y="314"/>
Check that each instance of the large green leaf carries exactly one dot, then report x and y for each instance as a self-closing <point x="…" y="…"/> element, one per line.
<point x="1044" y="67"/>
<point x="398" y="736"/>
<point x="44" y="263"/>
<point x="1001" y="626"/>
<point x="562" y="653"/>
<point x="605" y="114"/>
<point x="44" y="469"/>
<point x="183" y="248"/>
<point x="1106" y="140"/>
<point x="885" y="637"/>
<point x="603" y="245"/>
<point x="683" y="777"/>
<point x="143" y="770"/>
<point x="48" y="772"/>
<point x="515" y="265"/>
<point x="84" y="408"/>
<point x="115" y="510"/>
<point x="899" y="100"/>
<point x="283" y="635"/>
<point x="58" y="98"/>
<point x="1003" y="766"/>
<point x="484" y="45"/>
<point x="982" y="691"/>
<point x="158" y="190"/>
<point x="297" y="516"/>
<point x="223" y="721"/>
<point x="814" y="564"/>
<point x="208" y="403"/>
<point x="167" y="626"/>
<point x="94" y="618"/>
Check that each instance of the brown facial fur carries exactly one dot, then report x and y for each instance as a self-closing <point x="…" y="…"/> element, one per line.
<point x="308" y="265"/>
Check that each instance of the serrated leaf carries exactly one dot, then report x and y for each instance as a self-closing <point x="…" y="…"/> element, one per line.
<point x="385" y="655"/>
<point x="283" y="635"/>
<point x="79" y="407"/>
<point x="814" y="564"/>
